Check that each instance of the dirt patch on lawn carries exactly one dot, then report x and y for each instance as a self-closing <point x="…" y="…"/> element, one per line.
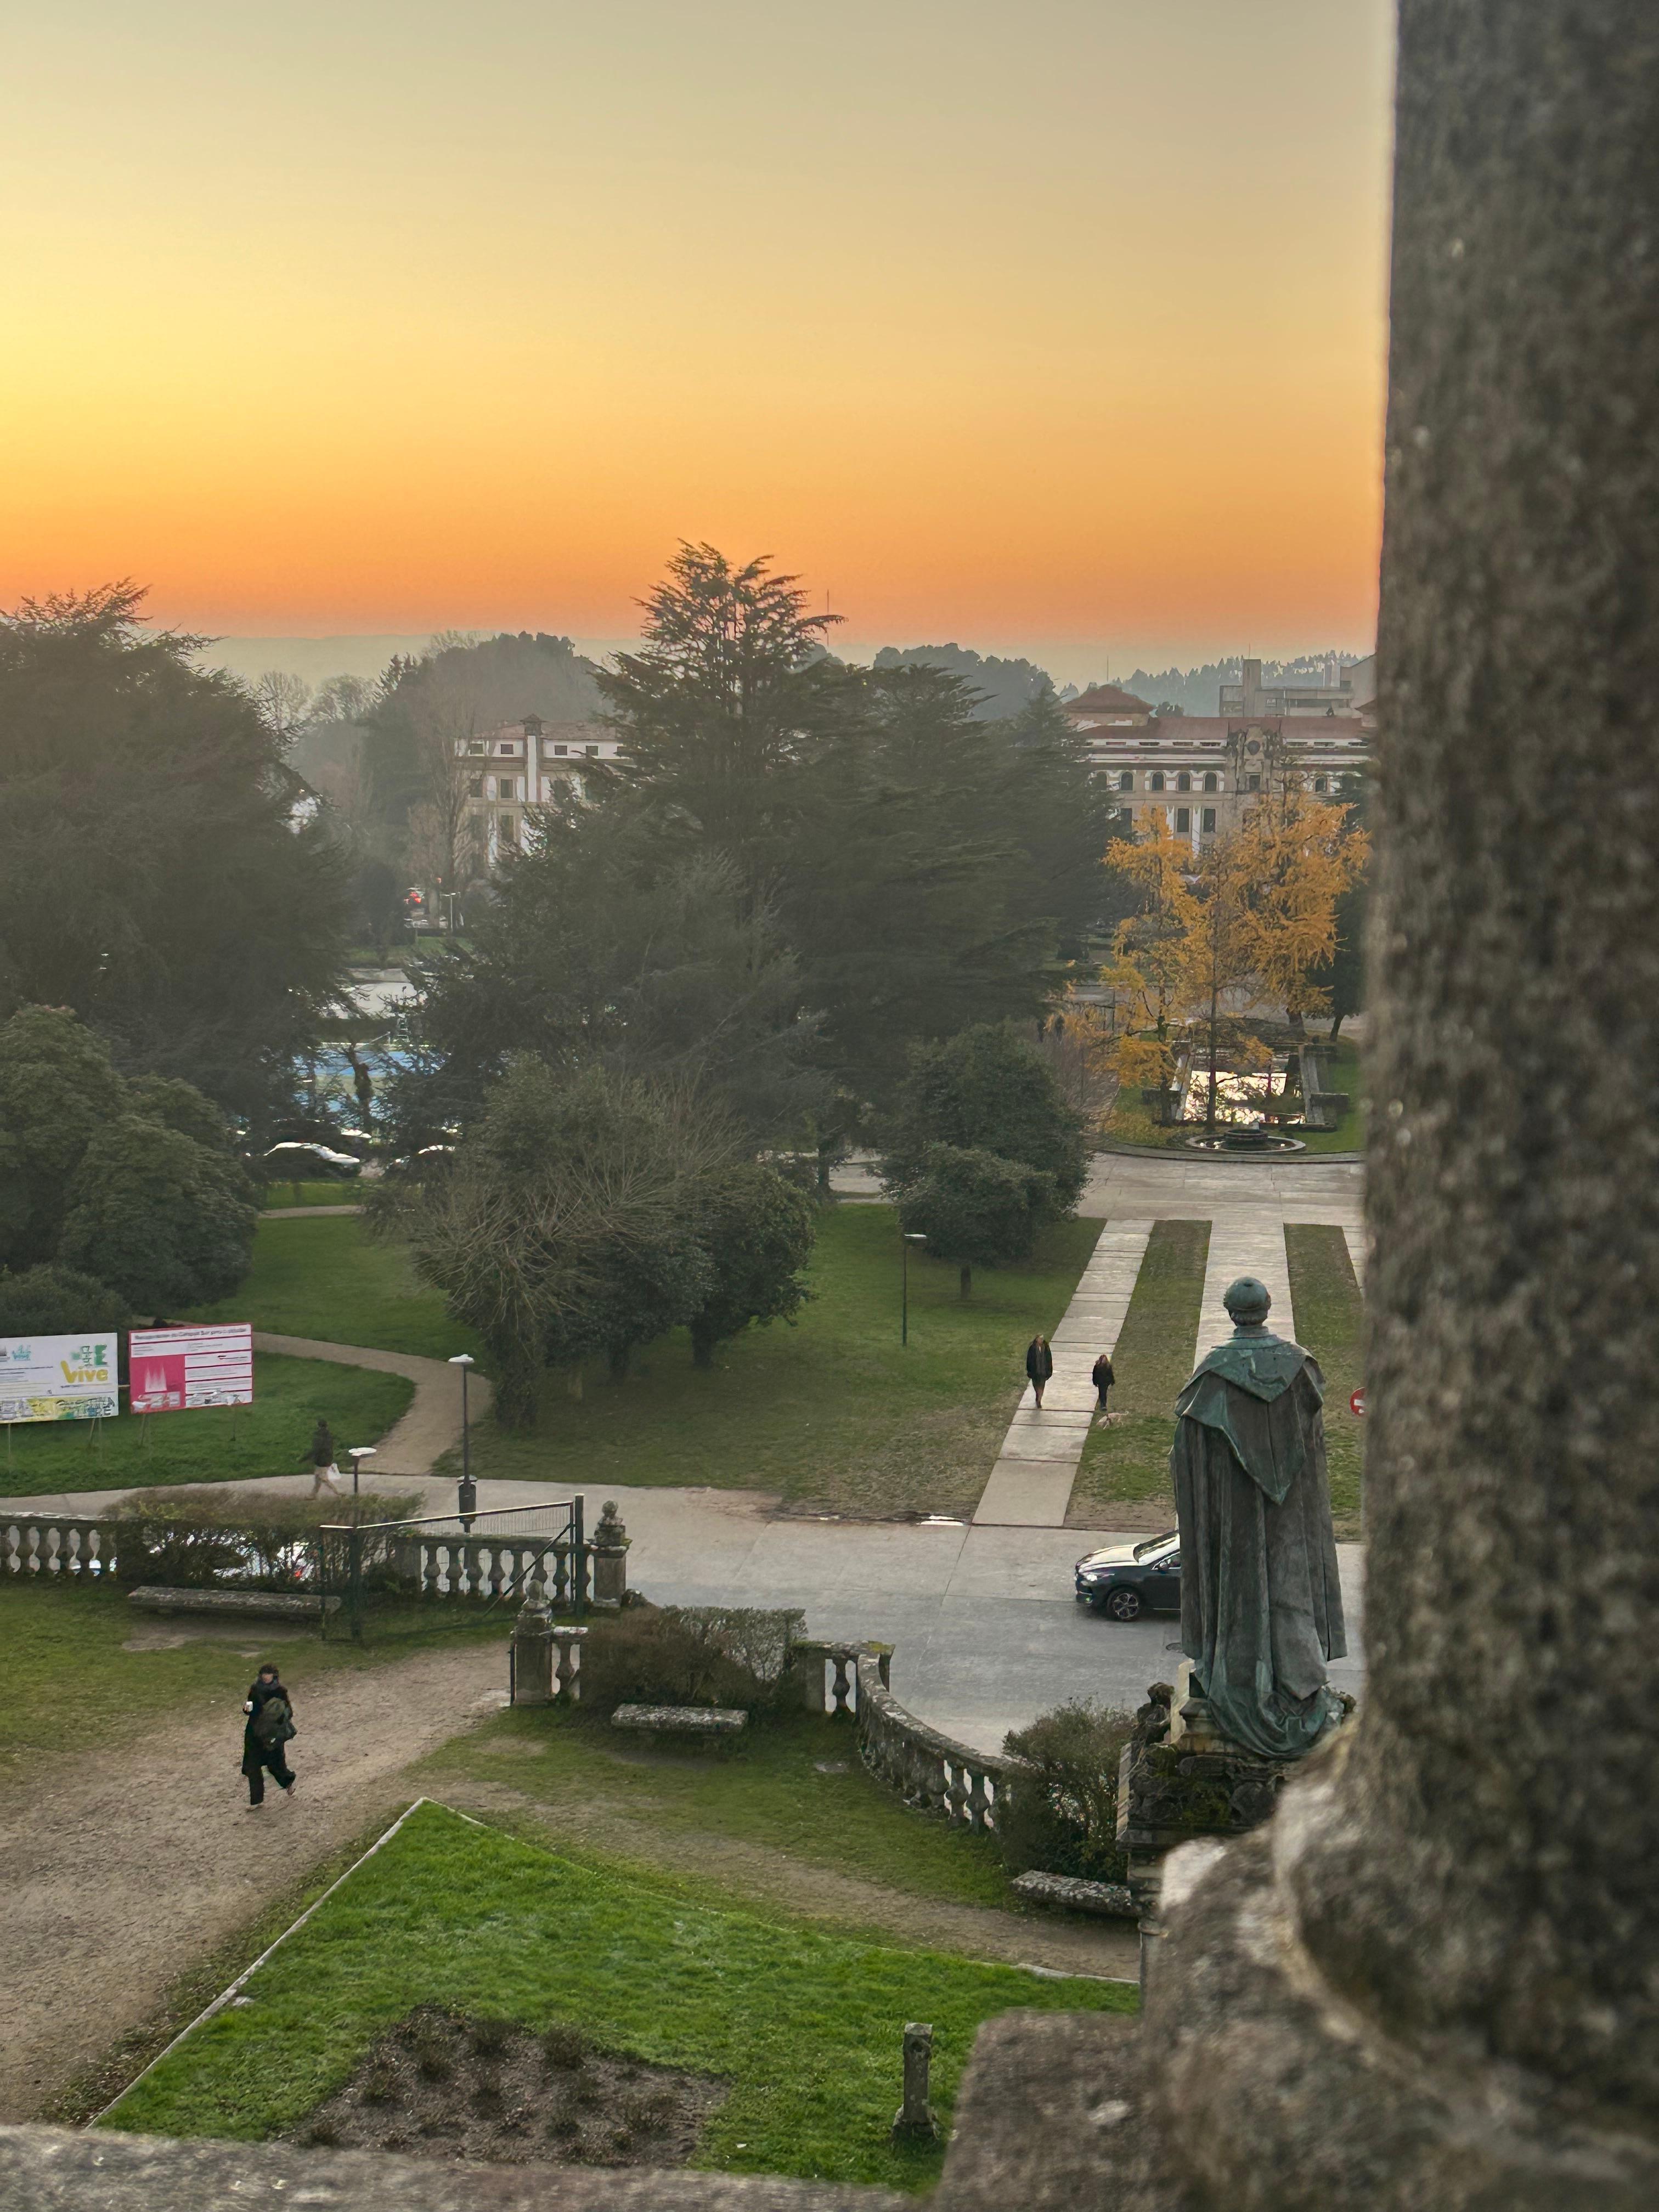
<point x="439" y="2086"/>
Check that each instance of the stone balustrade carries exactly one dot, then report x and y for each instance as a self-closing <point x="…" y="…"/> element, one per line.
<point x="928" y="1769"/>
<point x="456" y="1565"/>
<point x="66" y="1545"/>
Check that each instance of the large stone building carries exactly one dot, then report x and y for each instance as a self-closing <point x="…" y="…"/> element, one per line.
<point x="523" y="764"/>
<point x="1202" y="773"/>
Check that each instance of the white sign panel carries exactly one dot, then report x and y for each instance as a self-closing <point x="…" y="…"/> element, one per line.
<point x="174" y="1370"/>
<point x="59" y="1378"/>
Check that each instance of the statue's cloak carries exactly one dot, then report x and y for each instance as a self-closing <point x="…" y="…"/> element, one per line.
<point x="1261" y="1604"/>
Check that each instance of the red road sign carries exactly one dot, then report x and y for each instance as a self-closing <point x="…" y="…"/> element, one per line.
<point x="1357" y="1403"/>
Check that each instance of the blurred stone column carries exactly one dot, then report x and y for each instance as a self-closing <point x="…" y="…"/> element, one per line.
<point x="1434" y="1980"/>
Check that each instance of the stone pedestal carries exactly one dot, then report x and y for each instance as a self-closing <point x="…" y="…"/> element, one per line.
<point x="609" y="1551"/>
<point x="532" y="1649"/>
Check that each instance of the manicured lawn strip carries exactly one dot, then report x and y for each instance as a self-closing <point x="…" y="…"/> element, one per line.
<point x="806" y="2026"/>
<point x="215" y="1444"/>
<point x="1127" y="1461"/>
<point x="766" y="1789"/>
<point x="71" y="1685"/>
<point x="314" y="1193"/>
<point x="1329" y="1322"/>
<point x="333" y="1280"/>
<point x="832" y="1413"/>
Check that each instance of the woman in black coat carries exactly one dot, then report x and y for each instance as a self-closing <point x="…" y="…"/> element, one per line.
<point x="1039" y="1364"/>
<point x="265" y="1736"/>
<point x="1103" y="1378"/>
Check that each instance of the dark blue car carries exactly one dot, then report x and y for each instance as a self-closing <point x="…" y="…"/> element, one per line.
<point x="1127" y="1580"/>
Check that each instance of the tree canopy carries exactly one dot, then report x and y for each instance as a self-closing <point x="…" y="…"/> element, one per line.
<point x="154" y="875"/>
<point x="133" y="1185"/>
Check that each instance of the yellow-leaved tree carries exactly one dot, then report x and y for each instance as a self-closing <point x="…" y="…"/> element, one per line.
<point x="1294" y="857"/>
<point x="1152" y="967"/>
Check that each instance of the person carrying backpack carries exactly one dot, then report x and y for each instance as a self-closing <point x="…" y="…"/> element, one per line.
<point x="268" y="1730"/>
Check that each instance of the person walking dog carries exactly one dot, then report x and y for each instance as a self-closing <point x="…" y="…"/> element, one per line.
<point x="1039" y="1364"/>
<point x="322" y="1455"/>
<point x="266" y="1733"/>
<point x="1102" y="1377"/>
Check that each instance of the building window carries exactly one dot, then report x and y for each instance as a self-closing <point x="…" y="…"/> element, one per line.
<point x="475" y="786"/>
<point x="1319" y="783"/>
<point x="560" y="751"/>
<point x="1212" y="781"/>
<point x="1206" y="821"/>
<point x="1155" y="781"/>
<point x="507" y="826"/>
<point x="1183" y="821"/>
<point x="1126" y="780"/>
<point x="1252" y="783"/>
<point x="1183" y="781"/>
<point x="593" y="752"/>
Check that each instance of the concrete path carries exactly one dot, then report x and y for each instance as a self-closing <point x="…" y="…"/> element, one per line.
<point x="1244" y="1241"/>
<point x="1030" y="1484"/>
<point x="305" y="1212"/>
<point x="432" y="1426"/>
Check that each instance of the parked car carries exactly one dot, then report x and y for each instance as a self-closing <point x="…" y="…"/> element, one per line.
<point x="1127" y="1580"/>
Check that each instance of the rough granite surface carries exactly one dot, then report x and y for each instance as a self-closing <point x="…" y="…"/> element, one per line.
<point x="1435" y="1979"/>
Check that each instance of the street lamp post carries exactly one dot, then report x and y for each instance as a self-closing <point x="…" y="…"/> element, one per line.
<point x="909" y="1237"/>
<point x="357" y="1454"/>
<point x="467" y="1495"/>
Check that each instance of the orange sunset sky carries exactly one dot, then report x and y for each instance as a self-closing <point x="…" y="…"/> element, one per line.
<point x="1053" y="328"/>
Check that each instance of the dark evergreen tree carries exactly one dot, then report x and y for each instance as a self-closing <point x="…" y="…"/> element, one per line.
<point x="155" y="874"/>
<point x="758" y="1231"/>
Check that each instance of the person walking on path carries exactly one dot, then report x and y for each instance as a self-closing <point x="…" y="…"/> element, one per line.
<point x="1039" y="1365"/>
<point x="1102" y="1377"/>
<point x="322" y="1455"/>
<point x="268" y="1729"/>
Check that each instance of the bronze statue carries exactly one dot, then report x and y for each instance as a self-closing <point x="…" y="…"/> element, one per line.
<point x="1260" y="1605"/>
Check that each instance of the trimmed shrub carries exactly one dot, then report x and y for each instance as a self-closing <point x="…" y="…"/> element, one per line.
<point x="186" y="1540"/>
<point x="1062" y="1818"/>
<point x="690" y="1655"/>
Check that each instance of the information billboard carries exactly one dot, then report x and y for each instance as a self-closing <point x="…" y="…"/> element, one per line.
<point x="59" y="1378"/>
<point x="174" y="1370"/>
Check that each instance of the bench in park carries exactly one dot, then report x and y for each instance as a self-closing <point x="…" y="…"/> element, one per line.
<point x="682" y="1724"/>
<point x="1106" y="1900"/>
<point x="234" y="1605"/>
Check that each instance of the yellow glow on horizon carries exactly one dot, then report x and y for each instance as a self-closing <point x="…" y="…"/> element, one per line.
<point x="1062" y="321"/>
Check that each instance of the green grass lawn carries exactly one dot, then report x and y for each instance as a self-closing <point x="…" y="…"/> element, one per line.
<point x="331" y="1279"/>
<point x="1127" y="1462"/>
<point x="215" y="1445"/>
<point x="833" y="1412"/>
<point x="805" y="2025"/>
<point x="71" y="1680"/>
<point x="1330" y="1313"/>
<point x="769" y="1787"/>
<point x="326" y="1192"/>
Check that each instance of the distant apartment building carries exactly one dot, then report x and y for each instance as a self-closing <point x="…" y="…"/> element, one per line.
<point x="1203" y="773"/>
<point x="525" y="764"/>
<point x="1347" y="687"/>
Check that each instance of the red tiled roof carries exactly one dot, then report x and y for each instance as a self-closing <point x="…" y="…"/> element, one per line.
<point x="1107" y="699"/>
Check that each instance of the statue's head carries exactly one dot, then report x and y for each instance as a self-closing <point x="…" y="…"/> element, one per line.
<point x="1248" y="1302"/>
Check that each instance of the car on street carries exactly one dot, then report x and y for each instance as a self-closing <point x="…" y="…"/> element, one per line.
<point x="1127" y="1580"/>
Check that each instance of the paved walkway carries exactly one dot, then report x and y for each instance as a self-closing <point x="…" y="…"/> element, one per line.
<point x="1030" y="1484"/>
<point x="432" y="1426"/>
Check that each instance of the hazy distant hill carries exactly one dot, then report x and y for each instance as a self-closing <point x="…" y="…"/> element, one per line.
<point x="1006" y="685"/>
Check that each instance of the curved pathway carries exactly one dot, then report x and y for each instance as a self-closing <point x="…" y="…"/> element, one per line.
<point x="432" y="1426"/>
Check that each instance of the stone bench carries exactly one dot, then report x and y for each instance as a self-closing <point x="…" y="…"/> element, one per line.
<point x="685" y="1723"/>
<point x="1106" y="1900"/>
<point x="234" y="1605"/>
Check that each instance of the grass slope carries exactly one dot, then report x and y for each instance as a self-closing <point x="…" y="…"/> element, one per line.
<point x="1127" y="1462"/>
<point x="333" y="1280"/>
<point x="314" y="1193"/>
<point x="834" y="1412"/>
<point x="215" y="1444"/>
<point x="1330" y="1320"/>
<point x="770" y="1787"/>
<point x="805" y="2026"/>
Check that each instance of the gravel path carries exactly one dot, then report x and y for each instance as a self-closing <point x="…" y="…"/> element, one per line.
<point x="121" y="1867"/>
<point x="432" y="1424"/>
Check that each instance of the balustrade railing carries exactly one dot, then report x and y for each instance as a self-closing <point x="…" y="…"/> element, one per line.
<point x="59" y="1545"/>
<point x="928" y="1769"/>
